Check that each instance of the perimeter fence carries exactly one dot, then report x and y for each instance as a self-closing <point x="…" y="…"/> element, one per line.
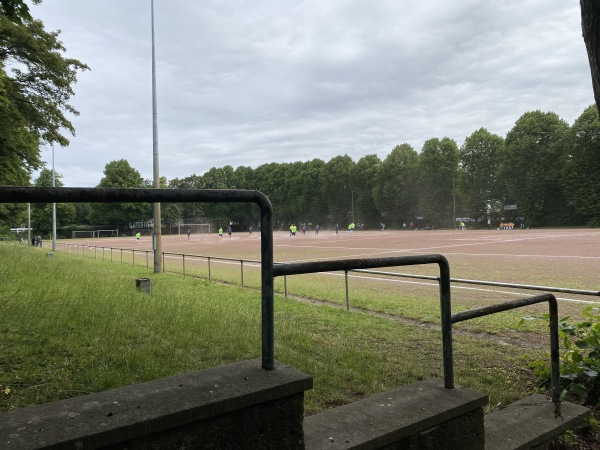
<point x="203" y="266"/>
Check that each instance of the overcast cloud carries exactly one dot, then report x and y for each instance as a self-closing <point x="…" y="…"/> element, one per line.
<point x="246" y="83"/>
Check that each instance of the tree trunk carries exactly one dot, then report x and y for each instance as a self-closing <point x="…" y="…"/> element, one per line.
<point x="590" y="24"/>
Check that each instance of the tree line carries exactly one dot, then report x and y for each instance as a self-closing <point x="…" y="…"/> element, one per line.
<point x="543" y="167"/>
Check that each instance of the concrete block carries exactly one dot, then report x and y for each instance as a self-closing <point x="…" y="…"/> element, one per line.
<point x="238" y="405"/>
<point x="422" y="415"/>
<point x="144" y="285"/>
<point x="530" y="423"/>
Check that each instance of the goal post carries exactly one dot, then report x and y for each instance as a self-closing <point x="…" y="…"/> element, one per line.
<point x="79" y="234"/>
<point x="194" y="228"/>
<point x="107" y="233"/>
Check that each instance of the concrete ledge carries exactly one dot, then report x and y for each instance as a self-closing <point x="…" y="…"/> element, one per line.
<point x="530" y="423"/>
<point x="421" y="415"/>
<point x="169" y="411"/>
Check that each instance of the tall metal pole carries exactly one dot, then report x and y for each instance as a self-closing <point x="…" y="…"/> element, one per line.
<point x="53" y="206"/>
<point x="453" y="205"/>
<point x="156" y="236"/>
<point x="352" y="190"/>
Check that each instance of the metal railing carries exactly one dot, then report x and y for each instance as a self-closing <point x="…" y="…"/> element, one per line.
<point x="81" y="249"/>
<point x="554" y="345"/>
<point x="447" y="317"/>
<point x="488" y="283"/>
<point x="75" y="248"/>
<point x="353" y="264"/>
<point x="14" y="194"/>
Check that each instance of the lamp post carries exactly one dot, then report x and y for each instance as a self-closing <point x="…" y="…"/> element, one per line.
<point x="453" y="205"/>
<point x="53" y="206"/>
<point x="352" y="190"/>
<point x="156" y="237"/>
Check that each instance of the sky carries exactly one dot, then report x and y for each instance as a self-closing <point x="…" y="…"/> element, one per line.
<point x="250" y="82"/>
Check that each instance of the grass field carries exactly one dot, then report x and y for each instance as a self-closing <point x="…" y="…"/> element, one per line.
<point x="391" y="339"/>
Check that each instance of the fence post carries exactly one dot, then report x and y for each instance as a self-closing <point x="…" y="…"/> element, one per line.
<point x="285" y="285"/>
<point x="242" y="269"/>
<point x="183" y="255"/>
<point x="121" y="256"/>
<point x="347" y="296"/>
<point x="209" y="269"/>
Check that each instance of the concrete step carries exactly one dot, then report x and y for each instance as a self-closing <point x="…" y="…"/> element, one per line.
<point x="530" y="424"/>
<point x="420" y="415"/>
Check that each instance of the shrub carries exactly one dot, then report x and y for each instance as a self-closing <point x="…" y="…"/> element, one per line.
<point x="580" y="357"/>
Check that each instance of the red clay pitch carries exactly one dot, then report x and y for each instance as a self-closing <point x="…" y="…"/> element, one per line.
<point x="556" y="257"/>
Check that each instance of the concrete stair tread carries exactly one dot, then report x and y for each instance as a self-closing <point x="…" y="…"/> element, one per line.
<point x="384" y="419"/>
<point x="529" y="423"/>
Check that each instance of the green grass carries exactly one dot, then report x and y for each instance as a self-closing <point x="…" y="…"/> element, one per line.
<point x="71" y="325"/>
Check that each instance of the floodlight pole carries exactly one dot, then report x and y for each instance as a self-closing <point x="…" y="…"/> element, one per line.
<point x="156" y="233"/>
<point x="453" y="204"/>
<point x="352" y="190"/>
<point x="53" y="206"/>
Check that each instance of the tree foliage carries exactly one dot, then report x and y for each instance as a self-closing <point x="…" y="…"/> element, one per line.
<point x="531" y="168"/>
<point x="35" y="95"/>
<point x="544" y="166"/>
<point x="582" y="183"/>
<point x="478" y="182"/>
<point x="396" y="192"/>
<point x="120" y="174"/>
<point x="439" y="167"/>
<point x="41" y="213"/>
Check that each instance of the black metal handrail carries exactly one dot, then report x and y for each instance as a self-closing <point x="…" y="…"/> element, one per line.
<point x="14" y="194"/>
<point x="519" y="303"/>
<point x="367" y="263"/>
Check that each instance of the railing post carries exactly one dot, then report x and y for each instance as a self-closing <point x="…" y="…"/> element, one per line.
<point x="347" y="295"/>
<point x="267" y="282"/>
<point x="446" y="316"/>
<point x="554" y="350"/>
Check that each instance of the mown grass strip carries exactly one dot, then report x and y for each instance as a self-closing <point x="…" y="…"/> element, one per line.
<point x="71" y="325"/>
